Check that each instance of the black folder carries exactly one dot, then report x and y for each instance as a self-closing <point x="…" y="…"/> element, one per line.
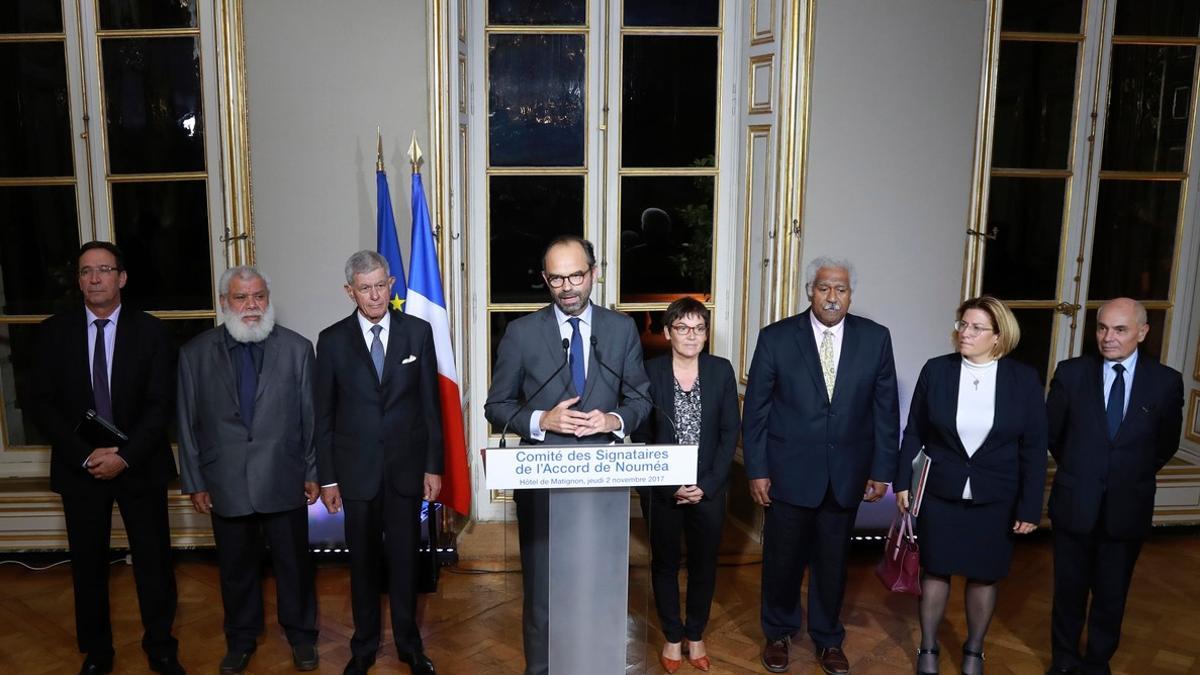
<point x="99" y="432"/>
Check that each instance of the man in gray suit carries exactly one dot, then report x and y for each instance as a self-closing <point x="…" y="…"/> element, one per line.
<point x="596" y="391"/>
<point x="248" y="458"/>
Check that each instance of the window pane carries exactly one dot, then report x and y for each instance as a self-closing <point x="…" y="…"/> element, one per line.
<point x="1035" y="97"/>
<point x="1037" y="327"/>
<point x="537" y="12"/>
<point x="152" y="104"/>
<point x="1042" y="16"/>
<point x="1134" y="240"/>
<point x="536" y="99"/>
<point x="134" y="14"/>
<point x="673" y="13"/>
<point x="526" y="213"/>
<point x="39" y="237"/>
<point x="669" y="101"/>
<point x="1160" y="17"/>
<point x="1025" y="215"/>
<point x="18" y="347"/>
<point x="498" y="323"/>
<point x="31" y="16"/>
<point x="35" y="113"/>
<point x="666" y="237"/>
<point x="1152" y="345"/>
<point x="1148" y="106"/>
<point x="162" y="228"/>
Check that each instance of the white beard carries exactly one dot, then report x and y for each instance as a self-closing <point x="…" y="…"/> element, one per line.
<point x="243" y="332"/>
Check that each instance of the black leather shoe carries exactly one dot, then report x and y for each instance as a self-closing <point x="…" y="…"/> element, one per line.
<point x="305" y="657"/>
<point x="235" y="662"/>
<point x="420" y="664"/>
<point x="358" y="666"/>
<point x="167" y="665"/>
<point x="95" y="666"/>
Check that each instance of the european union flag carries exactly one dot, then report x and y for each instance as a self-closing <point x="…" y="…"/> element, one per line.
<point x="387" y="243"/>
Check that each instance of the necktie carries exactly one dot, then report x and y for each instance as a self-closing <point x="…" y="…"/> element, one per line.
<point x="577" y="374"/>
<point x="1116" y="401"/>
<point x="827" y="368"/>
<point x="247" y="384"/>
<point x="100" y="392"/>
<point x="377" y="351"/>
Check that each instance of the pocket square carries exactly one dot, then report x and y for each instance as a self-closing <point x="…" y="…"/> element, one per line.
<point x="410" y="359"/>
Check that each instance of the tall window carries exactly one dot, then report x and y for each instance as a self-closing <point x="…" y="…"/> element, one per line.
<point x="107" y="131"/>
<point x="1090" y="154"/>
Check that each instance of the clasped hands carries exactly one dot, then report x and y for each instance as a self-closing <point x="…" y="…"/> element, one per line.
<point x="105" y="463"/>
<point x="562" y="420"/>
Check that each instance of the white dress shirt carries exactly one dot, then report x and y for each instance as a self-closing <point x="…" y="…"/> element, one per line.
<point x="536" y="432"/>
<point x="838" y="330"/>
<point x="365" y="325"/>
<point x="976" y="408"/>
<point x="1110" y="376"/>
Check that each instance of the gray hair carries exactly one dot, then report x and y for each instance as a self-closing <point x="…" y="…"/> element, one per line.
<point x="816" y="264"/>
<point x="243" y="272"/>
<point x="365" y="262"/>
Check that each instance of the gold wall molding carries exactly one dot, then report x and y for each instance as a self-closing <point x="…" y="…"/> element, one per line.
<point x="762" y="32"/>
<point x="235" y="145"/>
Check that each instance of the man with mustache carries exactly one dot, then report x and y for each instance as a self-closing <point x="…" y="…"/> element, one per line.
<point x="248" y="458"/>
<point x="820" y="434"/>
<point x="585" y="403"/>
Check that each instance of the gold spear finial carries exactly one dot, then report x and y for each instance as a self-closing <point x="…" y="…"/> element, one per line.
<point x="414" y="153"/>
<point x="378" y="150"/>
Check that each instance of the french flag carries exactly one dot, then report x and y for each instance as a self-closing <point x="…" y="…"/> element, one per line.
<point x="425" y="300"/>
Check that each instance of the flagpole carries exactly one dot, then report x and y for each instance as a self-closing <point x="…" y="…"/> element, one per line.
<point x="378" y="150"/>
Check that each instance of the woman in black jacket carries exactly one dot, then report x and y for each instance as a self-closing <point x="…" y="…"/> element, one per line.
<point x="981" y="420"/>
<point x="698" y="394"/>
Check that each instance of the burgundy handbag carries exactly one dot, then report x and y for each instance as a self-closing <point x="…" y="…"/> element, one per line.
<point x="900" y="568"/>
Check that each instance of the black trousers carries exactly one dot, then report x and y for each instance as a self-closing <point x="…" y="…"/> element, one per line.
<point x="239" y="555"/>
<point x="795" y="538"/>
<point x="89" y="527"/>
<point x="533" y="532"/>
<point x="700" y="526"/>
<point x="386" y="528"/>
<point x="1092" y="564"/>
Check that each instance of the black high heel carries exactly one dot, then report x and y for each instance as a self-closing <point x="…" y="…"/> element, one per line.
<point x="921" y="652"/>
<point x="969" y="654"/>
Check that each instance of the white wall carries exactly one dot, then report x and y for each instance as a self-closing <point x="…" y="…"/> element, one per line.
<point x="321" y="76"/>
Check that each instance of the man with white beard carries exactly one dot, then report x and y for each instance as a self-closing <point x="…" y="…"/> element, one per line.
<point x="247" y="457"/>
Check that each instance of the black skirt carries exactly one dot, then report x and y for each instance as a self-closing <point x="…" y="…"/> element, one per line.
<point x="960" y="537"/>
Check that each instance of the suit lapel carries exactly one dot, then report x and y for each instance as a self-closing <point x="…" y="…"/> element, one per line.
<point x="124" y="350"/>
<point x="1095" y="385"/>
<point x="79" y="352"/>
<point x="951" y="379"/>
<point x="224" y="365"/>
<point x="359" y="345"/>
<point x="708" y="393"/>
<point x="594" y="367"/>
<point x="849" y="348"/>
<point x="808" y="352"/>
<point x="1000" y="410"/>
<point x="397" y="347"/>
<point x="1139" y="398"/>
<point x="553" y="339"/>
<point x="270" y="355"/>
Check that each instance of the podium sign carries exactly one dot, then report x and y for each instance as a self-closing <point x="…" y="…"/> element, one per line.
<point x="590" y="466"/>
<point x="578" y="538"/>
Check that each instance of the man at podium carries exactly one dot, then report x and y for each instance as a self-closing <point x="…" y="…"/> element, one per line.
<point x="568" y="374"/>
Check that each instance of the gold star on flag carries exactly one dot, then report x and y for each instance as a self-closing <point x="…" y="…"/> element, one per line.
<point x="397" y="303"/>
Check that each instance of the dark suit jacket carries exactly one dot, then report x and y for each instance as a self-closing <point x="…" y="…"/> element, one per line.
<point x="141" y="387"/>
<point x="1110" y="483"/>
<point x="1010" y="466"/>
<point x="719" y="420"/>
<point x="794" y="435"/>
<point x="257" y="470"/>
<point x="531" y="350"/>
<point x="372" y="433"/>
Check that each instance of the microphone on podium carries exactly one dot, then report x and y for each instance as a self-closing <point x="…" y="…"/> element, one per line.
<point x="596" y="356"/>
<point x="566" y="345"/>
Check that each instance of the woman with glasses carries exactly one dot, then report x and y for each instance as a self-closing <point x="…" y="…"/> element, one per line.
<point x="981" y="420"/>
<point x="695" y="397"/>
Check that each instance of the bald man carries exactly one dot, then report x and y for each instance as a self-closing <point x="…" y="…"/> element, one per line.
<point x="1114" y="420"/>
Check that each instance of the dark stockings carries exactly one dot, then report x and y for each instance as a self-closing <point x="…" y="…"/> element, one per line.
<point x="934" y="592"/>
<point x="981" y="603"/>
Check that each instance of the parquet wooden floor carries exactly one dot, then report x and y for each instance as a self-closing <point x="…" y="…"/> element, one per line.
<point x="473" y="624"/>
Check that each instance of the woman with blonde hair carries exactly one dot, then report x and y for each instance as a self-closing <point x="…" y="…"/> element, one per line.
<point x="981" y="419"/>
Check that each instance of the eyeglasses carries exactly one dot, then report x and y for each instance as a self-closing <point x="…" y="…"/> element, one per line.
<point x="684" y="329"/>
<point x="557" y="280"/>
<point x="102" y="269"/>
<point x="970" y="328"/>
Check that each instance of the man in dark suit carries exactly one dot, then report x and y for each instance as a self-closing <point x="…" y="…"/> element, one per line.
<point x="247" y="457"/>
<point x="1114" y="422"/>
<point x="585" y="404"/>
<point x="379" y="452"/>
<point x="117" y="361"/>
<point x="820" y="434"/>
